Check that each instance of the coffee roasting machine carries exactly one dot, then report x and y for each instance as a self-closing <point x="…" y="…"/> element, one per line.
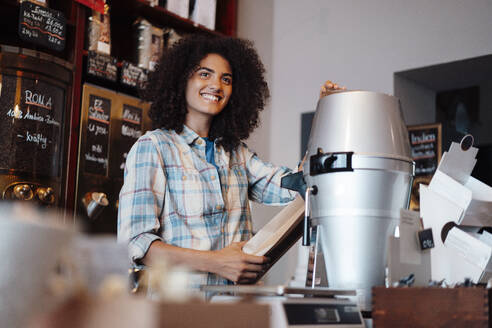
<point x="357" y="176"/>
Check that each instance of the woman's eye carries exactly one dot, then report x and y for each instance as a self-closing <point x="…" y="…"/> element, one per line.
<point x="204" y="74"/>
<point x="227" y="80"/>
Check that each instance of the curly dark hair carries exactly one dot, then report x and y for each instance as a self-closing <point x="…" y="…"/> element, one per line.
<point x="167" y="86"/>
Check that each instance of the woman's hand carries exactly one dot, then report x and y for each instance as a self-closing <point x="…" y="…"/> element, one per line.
<point x="233" y="264"/>
<point x="328" y="88"/>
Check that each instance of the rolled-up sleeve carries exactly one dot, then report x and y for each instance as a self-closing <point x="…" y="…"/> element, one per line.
<point x="141" y="198"/>
<point x="264" y="181"/>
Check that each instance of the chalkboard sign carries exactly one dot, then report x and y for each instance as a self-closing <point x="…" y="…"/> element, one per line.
<point x="43" y="26"/>
<point x="97" y="142"/>
<point x="102" y="66"/>
<point x="131" y="130"/>
<point x="131" y="126"/>
<point x="425" y="144"/>
<point x="31" y="122"/>
<point x="133" y="76"/>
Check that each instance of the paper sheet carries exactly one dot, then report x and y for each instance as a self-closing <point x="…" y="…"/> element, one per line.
<point x="479" y="212"/>
<point x="458" y="164"/>
<point x="409" y="247"/>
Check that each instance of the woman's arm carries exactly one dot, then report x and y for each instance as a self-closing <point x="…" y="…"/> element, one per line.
<point x="230" y="262"/>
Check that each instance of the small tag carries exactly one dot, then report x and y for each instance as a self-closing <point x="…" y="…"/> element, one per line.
<point x="426" y="240"/>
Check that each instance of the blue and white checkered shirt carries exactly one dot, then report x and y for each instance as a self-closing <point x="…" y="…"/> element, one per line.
<point x="171" y="193"/>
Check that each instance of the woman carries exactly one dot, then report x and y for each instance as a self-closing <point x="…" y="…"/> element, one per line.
<point x="188" y="183"/>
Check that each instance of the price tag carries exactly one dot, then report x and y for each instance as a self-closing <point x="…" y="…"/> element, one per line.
<point x="425" y="239"/>
<point x="43" y="26"/>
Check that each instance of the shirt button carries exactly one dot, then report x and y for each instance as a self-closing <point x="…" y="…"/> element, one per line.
<point x="239" y="173"/>
<point x="218" y="207"/>
<point x="212" y="177"/>
<point x="200" y="141"/>
<point x="183" y="177"/>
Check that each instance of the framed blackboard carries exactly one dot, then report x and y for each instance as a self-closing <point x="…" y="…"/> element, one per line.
<point x="425" y="144"/>
<point x="43" y="26"/>
<point x="31" y="126"/>
<point x="97" y="142"/>
<point x="131" y="130"/>
<point x="426" y="148"/>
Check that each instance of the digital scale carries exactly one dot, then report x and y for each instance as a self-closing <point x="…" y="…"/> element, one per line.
<point x="297" y="307"/>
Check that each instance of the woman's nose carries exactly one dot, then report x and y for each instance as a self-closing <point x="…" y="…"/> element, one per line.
<point x="215" y="83"/>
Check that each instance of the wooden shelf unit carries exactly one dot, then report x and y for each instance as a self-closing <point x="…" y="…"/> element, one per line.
<point x="122" y="14"/>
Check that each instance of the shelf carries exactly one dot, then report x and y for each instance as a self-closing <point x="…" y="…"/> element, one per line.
<point x="158" y="16"/>
<point x="123" y="14"/>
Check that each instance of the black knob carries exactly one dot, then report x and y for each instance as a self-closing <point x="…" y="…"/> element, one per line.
<point x="314" y="190"/>
<point x="328" y="162"/>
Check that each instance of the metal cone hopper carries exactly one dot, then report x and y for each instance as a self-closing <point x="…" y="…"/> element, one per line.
<point x="358" y="176"/>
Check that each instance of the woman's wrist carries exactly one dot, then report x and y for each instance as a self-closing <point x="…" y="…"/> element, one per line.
<point x="194" y="259"/>
<point x="209" y="262"/>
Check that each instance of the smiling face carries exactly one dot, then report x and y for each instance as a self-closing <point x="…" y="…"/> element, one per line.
<point x="209" y="87"/>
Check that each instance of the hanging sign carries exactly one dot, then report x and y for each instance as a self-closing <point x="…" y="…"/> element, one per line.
<point x="43" y="26"/>
<point x="133" y="76"/>
<point x="102" y="66"/>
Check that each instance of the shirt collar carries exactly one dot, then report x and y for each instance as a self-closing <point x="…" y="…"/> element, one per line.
<point x="189" y="135"/>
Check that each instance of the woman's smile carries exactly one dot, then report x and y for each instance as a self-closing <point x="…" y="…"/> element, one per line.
<point x="211" y="97"/>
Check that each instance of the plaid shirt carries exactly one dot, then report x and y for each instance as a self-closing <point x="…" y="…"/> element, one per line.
<point x="171" y="193"/>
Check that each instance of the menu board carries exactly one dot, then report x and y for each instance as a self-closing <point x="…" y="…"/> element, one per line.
<point x="31" y="112"/>
<point x="131" y="130"/>
<point x="425" y="144"/>
<point x="97" y="141"/>
<point x="41" y="25"/>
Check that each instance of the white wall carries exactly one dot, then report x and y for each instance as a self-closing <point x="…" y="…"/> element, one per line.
<point x="255" y="19"/>
<point x="359" y="44"/>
